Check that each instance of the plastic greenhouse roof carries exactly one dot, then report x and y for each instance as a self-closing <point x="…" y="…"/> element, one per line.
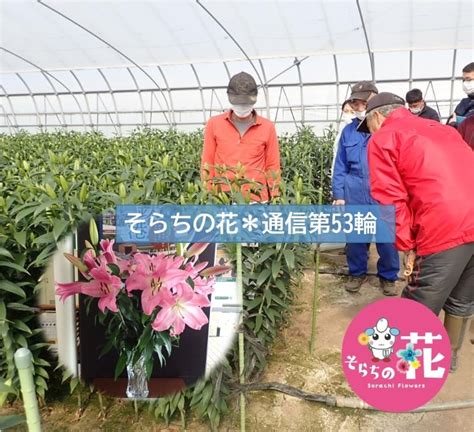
<point x="167" y="32"/>
<point x="127" y="63"/>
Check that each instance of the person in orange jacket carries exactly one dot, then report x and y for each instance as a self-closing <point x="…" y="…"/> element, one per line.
<point x="425" y="170"/>
<point x="243" y="142"/>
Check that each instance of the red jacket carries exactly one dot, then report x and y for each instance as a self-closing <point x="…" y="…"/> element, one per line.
<point x="426" y="170"/>
<point x="257" y="151"/>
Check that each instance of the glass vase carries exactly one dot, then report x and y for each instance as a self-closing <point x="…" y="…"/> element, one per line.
<point x="137" y="387"/>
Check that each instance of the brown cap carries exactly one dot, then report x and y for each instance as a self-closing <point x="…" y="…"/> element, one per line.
<point x="242" y="89"/>
<point x="382" y="99"/>
<point x="362" y="90"/>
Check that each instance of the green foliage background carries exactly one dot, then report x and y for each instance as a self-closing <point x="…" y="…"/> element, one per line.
<point x="52" y="181"/>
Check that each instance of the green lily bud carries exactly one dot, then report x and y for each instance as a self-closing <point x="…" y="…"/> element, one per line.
<point x="89" y="246"/>
<point x="63" y="183"/>
<point x="122" y="191"/>
<point x="83" y="194"/>
<point x="299" y="184"/>
<point x="158" y="186"/>
<point x="50" y="191"/>
<point x="93" y="232"/>
<point x="140" y="172"/>
<point x="76" y="262"/>
<point x="52" y="156"/>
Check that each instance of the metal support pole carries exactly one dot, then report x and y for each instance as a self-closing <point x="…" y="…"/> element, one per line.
<point x="112" y="95"/>
<point x="30" y="93"/>
<point x="265" y="90"/>
<point x="12" y="110"/>
<point x="453" y="79"/>
<point x="410" y="79"/>
<point x="144" y="122"/>
<point x="201" y="93"/>
<point x="338" y="114"/>
<point x="300" y="78"/>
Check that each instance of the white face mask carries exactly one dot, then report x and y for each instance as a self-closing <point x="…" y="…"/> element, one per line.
<point x="415" y="110"/>
<point x="468" y="87"/>
<point x="360" y="114"/>
<point x="242" y="110"/>
<point x="347" y="117"/>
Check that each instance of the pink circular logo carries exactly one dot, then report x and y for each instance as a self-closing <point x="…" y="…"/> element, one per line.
<point x="396" y="355"/>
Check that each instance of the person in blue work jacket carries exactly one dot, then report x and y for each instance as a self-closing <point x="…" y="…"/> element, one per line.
<point x="351" y="186"/>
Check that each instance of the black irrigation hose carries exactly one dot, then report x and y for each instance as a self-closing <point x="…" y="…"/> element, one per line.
<point x="340" y="272"/>
<point x="346" y="402"/>
<point x="289" y="390"/>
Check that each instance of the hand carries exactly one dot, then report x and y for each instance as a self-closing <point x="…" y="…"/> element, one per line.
<point x="409" y="262"/>
<point x="339" y="202"/>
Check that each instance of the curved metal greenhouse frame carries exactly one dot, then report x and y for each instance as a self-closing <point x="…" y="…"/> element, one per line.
<point x="183" y="91"/>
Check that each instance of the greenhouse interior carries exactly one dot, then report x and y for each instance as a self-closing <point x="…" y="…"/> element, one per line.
<point x="110" y="103"/>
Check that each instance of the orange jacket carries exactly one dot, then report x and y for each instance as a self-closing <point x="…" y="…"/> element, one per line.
<point x="257" y="151"/>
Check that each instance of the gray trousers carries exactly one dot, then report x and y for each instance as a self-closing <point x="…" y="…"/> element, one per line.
<point x="444" y="280"/>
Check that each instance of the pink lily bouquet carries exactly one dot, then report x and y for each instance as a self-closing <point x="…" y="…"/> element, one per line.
<point x="146" y="300"/>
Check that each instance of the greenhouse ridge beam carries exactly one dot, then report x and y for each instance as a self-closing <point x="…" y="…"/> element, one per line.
<point x="197" y="110"/>
<point x="223" y="87"/>
<point x="322" y="107"/>
<point x="196" y="123"/>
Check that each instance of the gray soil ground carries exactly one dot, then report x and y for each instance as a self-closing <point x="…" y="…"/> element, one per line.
<point x="291" y="363"/>
<point x="321" y="372"/>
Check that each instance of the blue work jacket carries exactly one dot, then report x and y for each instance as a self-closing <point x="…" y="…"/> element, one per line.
<point x="351" y="169"/>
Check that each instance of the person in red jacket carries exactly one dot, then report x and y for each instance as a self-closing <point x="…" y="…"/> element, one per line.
<point x="425" y="170"/>
<point x="240" y="141"/>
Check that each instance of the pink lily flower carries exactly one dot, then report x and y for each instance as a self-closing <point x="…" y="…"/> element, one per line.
<point x="125" y="265"/>
<point x="154" y="276"/>
<point x="107" y="256"/>
<point x="104" y="286"/>
<point x="108" y="252"/>
<point x="204" y="286"/>
<point x="90" y="259"/>
<point x="195" y="269"/>
<point x="179" y="311"/>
